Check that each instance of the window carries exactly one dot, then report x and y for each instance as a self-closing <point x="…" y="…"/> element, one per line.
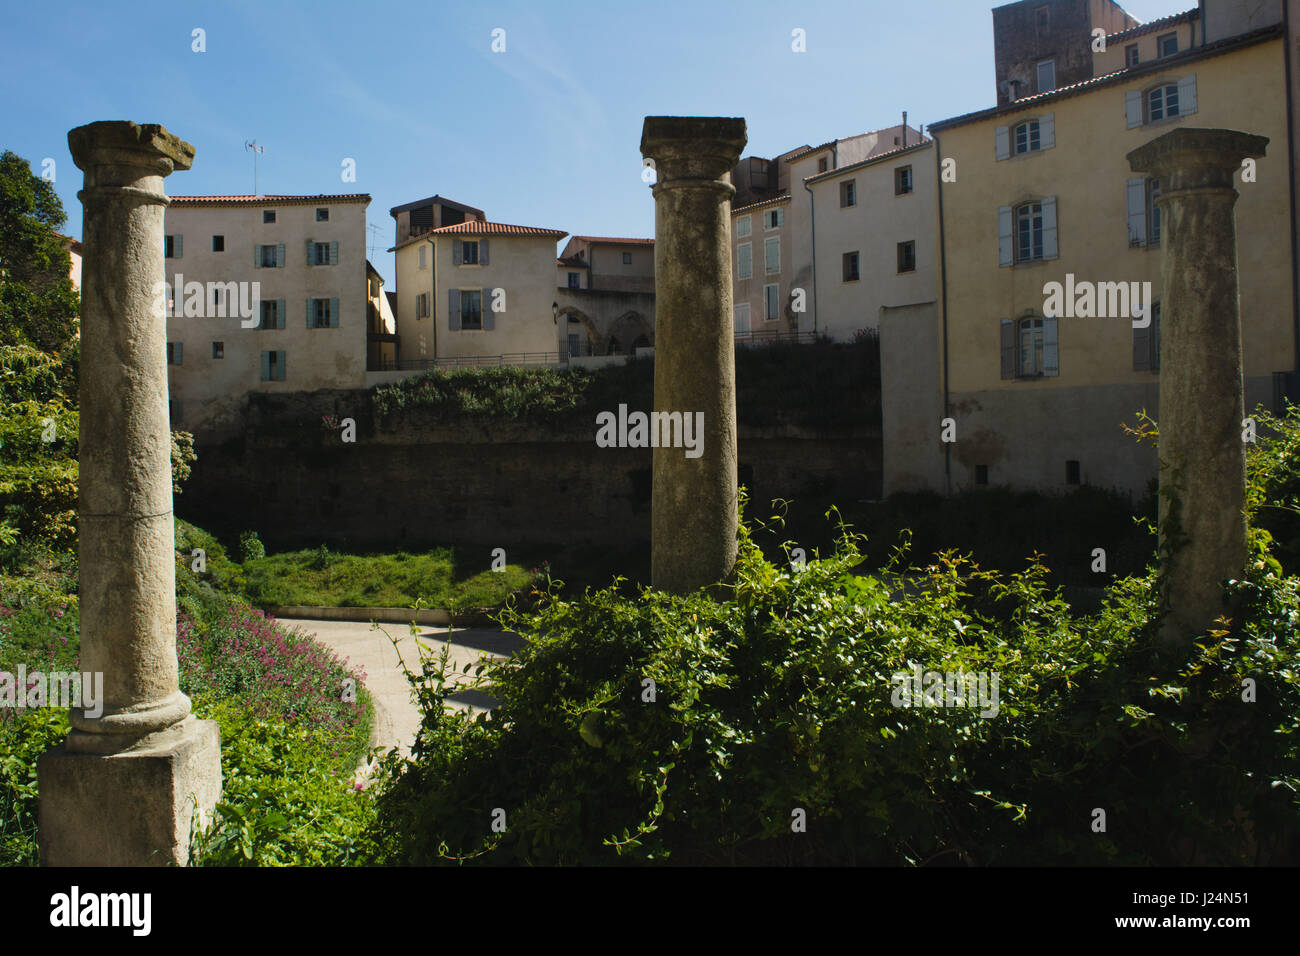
<point x="902" y="180"/>
<point x="821" y="165"/>
<point x="218" y="243"/>
<point x="273" y="366"/>
<point x="773" y="219"/>
<point x="1043" y="18"/>
<point x="269" y="257"/>
<point x="272" y="314"/>
<point x="574" y="344"/>
<point x="322" y="215"/>
<point x="218" y="350"/>
<point x="907" y="256"/>
<point x="627" y="258"/>
<point x="744" y="261"/>
<point x="772" y="255"/>
<point x="322" y="253"/>
<point x="469" y="253"/>
<point x="771" y="302"/>
<point x="575" y="280"/>
<point x="1131" y="55"/>
<point x="1153" y="211"/>
<point x="1167" y="45"/>
<point x="322" y="313"/>
<point x="268" y="216"/>
<point x="1029" y="232"/>
<point x="850" y="265"/>
<point x="422" y="305"/>
<point x="1146" y="344"/>
<point x="1029" y="347"/>
<point x="1162" y="103"/>
<point x="173" y="353"/>
<point x="1072" y="473"/>
<point x="742" y="319"/>
<point x="1046" y="76"/>
<point x="218" y="299"/>
<point x="1028" y="137"/>
<point x="471" y="309"/>
<point x="743" y="227"/>
<point x="171" y="247"/>
<point x="849" y="193"/>
<point x="424" y="256"/>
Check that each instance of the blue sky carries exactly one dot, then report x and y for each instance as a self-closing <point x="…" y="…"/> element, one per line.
<point x="543" y="134"/>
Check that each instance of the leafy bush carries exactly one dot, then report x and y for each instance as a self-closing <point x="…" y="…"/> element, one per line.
<point x="250" y="547"/>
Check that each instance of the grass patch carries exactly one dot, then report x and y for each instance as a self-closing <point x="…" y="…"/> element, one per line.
<point x="442" y="577"/>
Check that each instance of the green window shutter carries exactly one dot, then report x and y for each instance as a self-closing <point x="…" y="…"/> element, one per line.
<point x="266" y="366"/>
<point x="179" y="348"/>
<point x="176" y="247"/>
<point x="280" y="356"/>
<point x="457" y="253"/>
<point x="482" y="252"/>
<point x="1008" y="349"/>
<point x="309" y="325"/>
<point x="334" y="313"/>
<point x="281" y="310"/>
<point x="279" y="256"/>
<point x="310" y="253"/>
<point x="334" y="253"/>
<point x="485" y="305"/>
<point x="453" y="309"/>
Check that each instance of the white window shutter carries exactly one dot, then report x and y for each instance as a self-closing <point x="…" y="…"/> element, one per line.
<point x="1049" y="228"/>
<point x="1133" y="108"/>
<point x="1002" y="142"/>
<point x="334" y="253"/>
<point x="482" y="252"/>
<point x="1006" y="254"/>
<point x="279" y="256"/>
<point x="1186" y="104"/>
<point x="1051" y="354"/>
<point x="1047" y="131"/>
<point x="334" y="313"/>
<point x="1137" y="212"/>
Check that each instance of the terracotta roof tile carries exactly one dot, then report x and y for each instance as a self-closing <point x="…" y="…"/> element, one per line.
<point x="477" y="228"/>
<point x="1169" y="21"/>
<point x="610" y="241"/>
<point x="266" y="200"/>
<point x="774" y="201"/>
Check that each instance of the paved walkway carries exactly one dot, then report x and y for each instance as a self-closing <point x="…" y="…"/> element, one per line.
<point x="396" y="717"/>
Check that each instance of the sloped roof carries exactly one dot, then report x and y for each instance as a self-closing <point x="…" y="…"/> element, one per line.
<point x="268" y="200"/>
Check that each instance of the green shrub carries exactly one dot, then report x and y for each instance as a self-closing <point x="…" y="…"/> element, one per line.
<point x="250" y="547"/>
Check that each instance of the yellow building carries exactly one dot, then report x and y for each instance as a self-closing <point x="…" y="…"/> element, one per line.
<point x="1046" y="232"/>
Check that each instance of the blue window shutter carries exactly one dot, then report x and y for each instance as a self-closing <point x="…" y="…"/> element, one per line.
<point x="334" y="313"/>
<point x="309" y="325"/>
<point x="1133" y="108"/>
<point x="1136" y="192"/>
<point x="1049" y="228"/>
<point x="257" y="256"/>
<point x="280" y="312"/>
<point x="1047" y="131"/>
<point x="310" y="253"/>
<point x="1002" y="142"/>
<point x="485" y="303"/>
<point x="179" y="347"/>
<point x="453" y="308"/>
<point x="279" y="256"/>
<point x="1006" y="254"/>
<point x="281" y="355"/>
<point x="1186" y="104"/>
<point x="1051" y="357"/>
<point x="176" y="247"/>
<point x="482" y="252"/>
<point x="457" y="254"/>
<point x="334" y="253"/>
<point x="1008" y="349"/>
<point x="266" y="366"/>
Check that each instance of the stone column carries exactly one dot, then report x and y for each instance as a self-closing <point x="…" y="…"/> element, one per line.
<point x="1202" y="456"/>
<point x="694" y="506"/>
<point x="123" y="787"/>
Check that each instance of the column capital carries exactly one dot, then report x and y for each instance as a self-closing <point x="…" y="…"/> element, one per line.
<point x="121" y="143"/>
<point x="1196" y="158"/>
<point x="693" y="147"/>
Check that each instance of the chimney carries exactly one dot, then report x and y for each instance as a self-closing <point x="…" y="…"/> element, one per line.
<point x="904" y="127"/>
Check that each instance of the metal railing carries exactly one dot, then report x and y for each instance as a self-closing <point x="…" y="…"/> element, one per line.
<point x="472" y="361"/>
<point x="774" y="337"/>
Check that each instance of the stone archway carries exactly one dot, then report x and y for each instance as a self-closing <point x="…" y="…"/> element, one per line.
<point x="595" y="339"/>
<point x="632" y="326"/>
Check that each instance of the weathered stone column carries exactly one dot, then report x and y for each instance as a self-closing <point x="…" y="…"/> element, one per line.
<point x="123" y="787"/>
<point x="1202" y="455"/>
<point x="694" y="507"/>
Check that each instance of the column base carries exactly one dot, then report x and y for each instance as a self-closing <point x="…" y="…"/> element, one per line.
<point x="132" y="808"/>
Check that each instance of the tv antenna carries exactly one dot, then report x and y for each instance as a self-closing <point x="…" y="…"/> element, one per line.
<point x="252" y="147"/>
<point x="374" y="232"/>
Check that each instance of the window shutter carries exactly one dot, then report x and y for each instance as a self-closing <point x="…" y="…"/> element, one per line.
<point x="334" y="313"/>
<point x="180" y="346"/>
<point x="1133" y="108"/>
<point x="281" y="355"/>
<point x="457" y="253"/>
<point x="257" y="256"/>
<point x="485" y="304"/>
<point x="309" y="253"/>
<point x="280" y="312"/>
<point x="1137" y="212"/>
<point x="1051" y="356"/>
<point x="482" y="252"/>
<point x="1047" y="131"/>
<point x="1186" y="104"/>
<point x="334" y="253"/>
<point x="1049" y="228"/>
<point x="176" y="247"/>
<point x="1142" y="349"/>
<point x="279" y="256"/>
<point x="1008" y="349"/>
<point x="1002" y="142"/>
<point x="453" y="303"/>
<point x="309" y="325"/>
<point x="266" y="366"/>
<point x="1005" y="253"/>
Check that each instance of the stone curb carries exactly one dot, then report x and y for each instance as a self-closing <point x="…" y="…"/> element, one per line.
<point x="384" y="615"/>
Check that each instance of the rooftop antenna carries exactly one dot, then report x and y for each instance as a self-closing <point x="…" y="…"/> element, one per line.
<point x="252" y="147"/>
<point x="374" y="231"/>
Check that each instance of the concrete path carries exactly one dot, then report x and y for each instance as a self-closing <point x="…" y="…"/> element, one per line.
<point x="397" y="719"/>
